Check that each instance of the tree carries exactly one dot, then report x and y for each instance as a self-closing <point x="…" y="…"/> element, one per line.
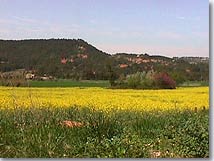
<point x="111" y="75"/>
<point x="135" y="80"/>
<point x="163" y="80"/>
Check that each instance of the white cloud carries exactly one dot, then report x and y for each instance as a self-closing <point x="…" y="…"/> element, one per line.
<point x="170" y="35"/>
<point x="26" y="20"/>
<point x="197" y="18"/>
<point x="24" y="27"/>
<point x="180" y="17"/>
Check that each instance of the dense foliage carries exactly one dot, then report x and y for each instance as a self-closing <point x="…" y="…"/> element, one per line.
<point x="44" y="57"/>
<point x="143" y="80"/>
<point x="163" y="80"/>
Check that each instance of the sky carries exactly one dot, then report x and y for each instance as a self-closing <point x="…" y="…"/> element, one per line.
<point x="157" y="27"/>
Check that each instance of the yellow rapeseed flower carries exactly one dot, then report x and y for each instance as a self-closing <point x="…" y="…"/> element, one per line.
<point x="105" y="99"/>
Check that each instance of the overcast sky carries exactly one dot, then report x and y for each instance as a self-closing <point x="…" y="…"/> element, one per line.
<point x="163" y="27"/>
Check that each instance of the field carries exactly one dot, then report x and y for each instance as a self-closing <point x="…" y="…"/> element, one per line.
<point x="97" y="122"/>
<point x="194" y="84"/>
<point x="105" y="99"/>
<point x="69" y="83"/>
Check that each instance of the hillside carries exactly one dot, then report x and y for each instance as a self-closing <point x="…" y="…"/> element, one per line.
<point x="57" y="57"/>
<point x="76" y="59"/>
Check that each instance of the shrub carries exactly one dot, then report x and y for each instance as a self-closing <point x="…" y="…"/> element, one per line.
<point x="149" y="80"/>
<point x="135" y="80"/>
<point x="14" y="82"/>
<point x="13" y="78"/>
<point x="164" y="81"/>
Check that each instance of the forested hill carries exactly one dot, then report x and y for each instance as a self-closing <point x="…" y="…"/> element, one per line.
<point x="75" y="58"/>
<point x="58" y="57"/>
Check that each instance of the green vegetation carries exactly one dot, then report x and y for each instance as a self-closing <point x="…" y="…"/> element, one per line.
<point x="194" y="84"/>
<point x="69" y="83"/>
<point x="78" y="60"/>
<point x="143" y="80"/>
<point x="38" y="133"/>
<point x="97" y="83"/>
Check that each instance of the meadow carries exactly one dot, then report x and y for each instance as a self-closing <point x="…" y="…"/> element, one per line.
<point x="107" y="123"/>
<point x="69" y="83"/>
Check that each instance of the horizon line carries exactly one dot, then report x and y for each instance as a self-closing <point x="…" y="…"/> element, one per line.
<point x="27" y="39"/>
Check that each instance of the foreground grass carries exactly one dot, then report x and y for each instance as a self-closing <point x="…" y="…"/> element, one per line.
<point x="69" y="83"/>
<point x="38" y="133"/>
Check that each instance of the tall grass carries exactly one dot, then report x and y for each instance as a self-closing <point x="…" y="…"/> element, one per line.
<point x="39" y="133"/>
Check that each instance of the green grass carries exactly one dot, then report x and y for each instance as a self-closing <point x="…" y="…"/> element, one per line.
<point x="69" y="83"/>
<point x="194" y="84"/>
<point x="37" y="133"/>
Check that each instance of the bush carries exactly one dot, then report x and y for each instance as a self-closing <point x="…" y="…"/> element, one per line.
<point x="14" y="82"/>
<point x="13" y="78"/>
<point x="164" y="81"/>
<point x="149" y="80"/>
<point x="135" y="80"/>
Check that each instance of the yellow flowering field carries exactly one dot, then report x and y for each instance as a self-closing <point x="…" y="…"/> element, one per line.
<point x="106" y="99"/>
